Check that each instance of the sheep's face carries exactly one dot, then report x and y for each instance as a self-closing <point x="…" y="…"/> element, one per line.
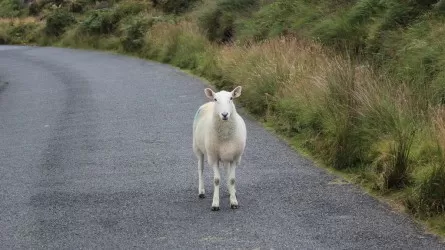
<point x="224" y="106"/>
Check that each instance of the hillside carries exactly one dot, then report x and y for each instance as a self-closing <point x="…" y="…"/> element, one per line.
<point x="358" y="85"/>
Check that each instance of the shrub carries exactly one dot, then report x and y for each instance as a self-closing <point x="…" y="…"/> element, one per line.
<point x="100" y="22"/>
<point x="281" y="17"/>
<point x="4" y="38"/>
<point x="57" y="22"/>
<point x="219" y="22"/>
<point x="9" y="8"/>
<point x="126" y="9"/>
<point x="106" y="21"/>
<point x="173" y="6"/>
<point x="133" y="32"/>
<point x="34" y="9"/>
<point x="20" y="33"/>
<point x="77" y="6"/>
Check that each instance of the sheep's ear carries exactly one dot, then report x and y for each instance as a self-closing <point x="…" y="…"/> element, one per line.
<point x="209" y="93"/>
<point x="236" y="92"/>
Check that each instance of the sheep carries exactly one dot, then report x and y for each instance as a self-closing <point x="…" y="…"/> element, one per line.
<point x="219" y="132"/>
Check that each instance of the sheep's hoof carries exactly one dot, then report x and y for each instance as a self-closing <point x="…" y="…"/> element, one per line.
<point x="215" y="208"/>
<point x="202" y="196"/>
<point x="234" y="206"/>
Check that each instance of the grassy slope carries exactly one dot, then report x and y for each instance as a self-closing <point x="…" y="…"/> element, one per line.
<point x="359" y="86"/>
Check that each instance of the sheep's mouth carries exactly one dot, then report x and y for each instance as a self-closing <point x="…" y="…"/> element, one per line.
<point x="225" y="118"/>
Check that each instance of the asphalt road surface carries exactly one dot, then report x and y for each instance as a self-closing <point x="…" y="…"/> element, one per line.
<point x="95" y="153"/>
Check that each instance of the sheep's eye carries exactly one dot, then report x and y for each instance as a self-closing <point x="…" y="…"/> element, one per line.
<point x="215" y="100"/>
<point x="231" y="98"/>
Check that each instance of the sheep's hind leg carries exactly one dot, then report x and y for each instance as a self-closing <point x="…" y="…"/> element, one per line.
<point x="201" y="189"/>
<point x="231" y="185"/>
<point x="216" y="181"/>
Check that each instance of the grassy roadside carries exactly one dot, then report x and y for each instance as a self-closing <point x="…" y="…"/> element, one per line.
<point x="356" y="92"/>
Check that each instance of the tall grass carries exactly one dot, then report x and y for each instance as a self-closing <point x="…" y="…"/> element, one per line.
<point x="182" y="45"/>
<point x="20" y="31"/>
<point x="428" y="194"/>
<point x="345" y="113"/>
<point x="298" y="84"/>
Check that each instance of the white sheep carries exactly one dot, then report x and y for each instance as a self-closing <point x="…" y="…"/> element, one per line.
<point x="220" y="133"/>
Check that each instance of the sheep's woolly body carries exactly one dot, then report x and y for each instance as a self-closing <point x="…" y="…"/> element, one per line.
<point x="220" y="134"/>
<point x="220" y="139"/>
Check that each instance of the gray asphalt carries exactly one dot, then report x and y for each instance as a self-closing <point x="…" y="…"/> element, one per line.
<point x="95" y="153"/>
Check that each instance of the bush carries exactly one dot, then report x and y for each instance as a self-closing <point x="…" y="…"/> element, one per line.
<point x="77" y="6"/>
<point x="34" y="9"/>
<point x="219" y="22"/>
<point x="173" y="6"/>
<point x="100" y="22"/>
<point x="133" y="32"/>
<point x="349" y="29"/>
<point x="281" y="17"/>
<point x="106" y="21"/>
<point x="126" y="9"/>
<point x="9" y="8"/>
<point x="57" y="22"/>
<point x="4" y="37"/>
<point x="19" y="33"/>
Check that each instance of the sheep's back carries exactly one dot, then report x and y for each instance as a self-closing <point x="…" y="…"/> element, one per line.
<point x="201" y="124"/>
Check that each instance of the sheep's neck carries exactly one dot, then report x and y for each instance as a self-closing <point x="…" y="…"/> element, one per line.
<point x="224" y="130"/>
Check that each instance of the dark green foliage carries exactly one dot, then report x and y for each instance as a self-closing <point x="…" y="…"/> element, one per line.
<point x="401" y="14"/>
<point x="218" y="26"/>
<point x="58" y="21"/>
<point x="34" y="9"/>
<point x="219" y="22"/>
<point x="3" y="39"/>
<point x="105" y="21"/>
<point x="77" y="6"/>
<point x="363" y="11"/>
<point x="281" y="17"/>
<point x="126" y="9"/>
<point x="26" y="33"/>
<point x="48" y="3"/>
<point x="350" y="29"/>
<point x="100" y="22"/>
<point x="133" y="32"/>
<point x="440" y="6"/>
<point x="9" y="8"/>
<point x="173" y="6"/>
<point x="356" y="25"/>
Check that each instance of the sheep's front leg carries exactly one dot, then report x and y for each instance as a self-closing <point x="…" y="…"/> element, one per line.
<point x="216" y="181"/>
<point x="201" y="190"/>
<point x="231" y="185"/>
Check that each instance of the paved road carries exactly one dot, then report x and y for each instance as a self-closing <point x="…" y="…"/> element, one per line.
<point x="95" y="152"/>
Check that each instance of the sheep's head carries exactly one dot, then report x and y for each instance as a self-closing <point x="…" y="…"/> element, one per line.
<point x="224" y="106"/>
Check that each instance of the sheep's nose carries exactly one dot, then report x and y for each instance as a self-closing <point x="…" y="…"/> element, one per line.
<point x="225" y="114"/>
